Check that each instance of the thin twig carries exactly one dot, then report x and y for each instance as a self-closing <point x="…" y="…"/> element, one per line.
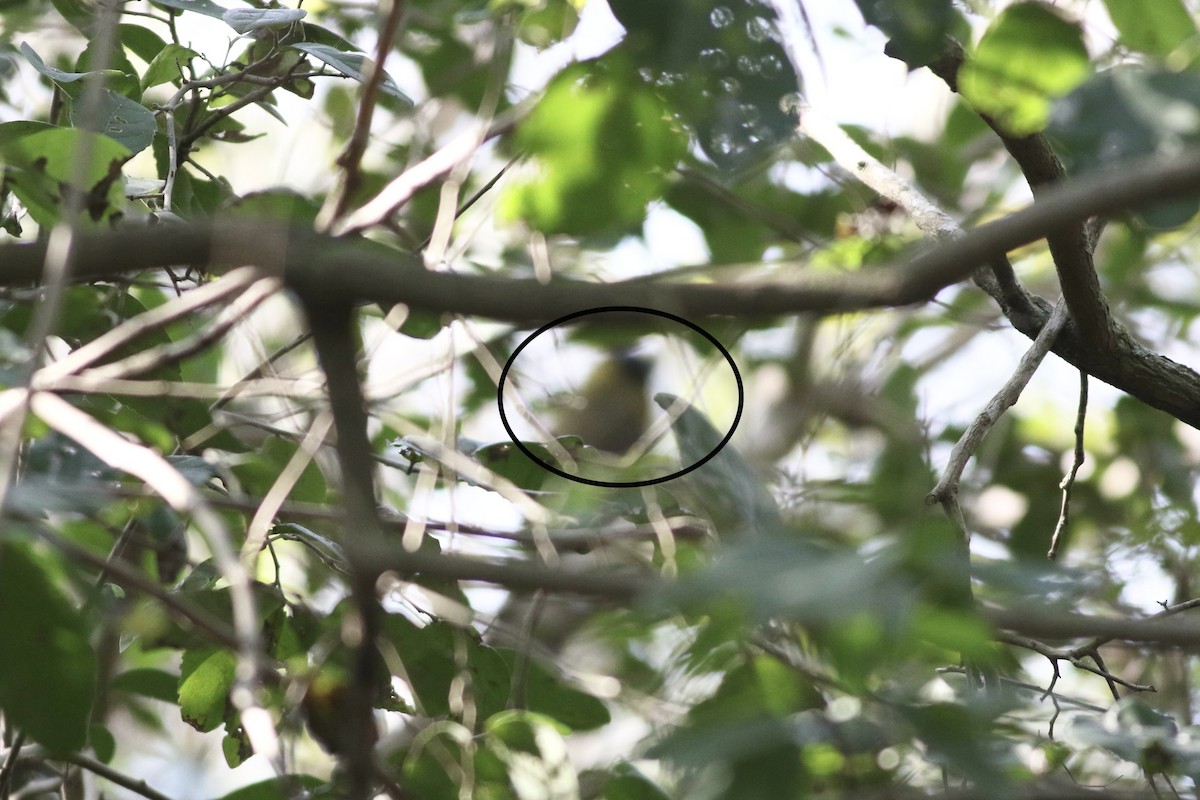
<point x="1037" y="622"/>
<point x="1057" y="654"/>
<point x="232" y="284"/>
<point x="256" y="533"/>
<point x="10" y="763"/>
<point x="398" y="192"/>
<point x="1004" y="399"/>
<point x="1031" y="687"/>
<point x="350" y="161"/>
<point x="155" y="357"/>
<point x="113" y="776"/>
<point x="626" y="585"/>
<point x="261" y="387"/>
<point x="1068" y="481"/>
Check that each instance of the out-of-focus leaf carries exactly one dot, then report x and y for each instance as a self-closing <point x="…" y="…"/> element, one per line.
<point x="47" y="666"/>
<point x="149" y="682"/>
<point x="545" y="24"/>
<point x="604" y="148"/>
<point x="205" y="7"/>
<point x="278" y="788"/>
<point x="430" y="660"/>
<point x="102" y="742"/>
<point x="206" y="676"/>
<point x="625" y="782"/>
<point x="197" y="469"/>
<point x="958" y="737"/>
<point x="1135" y="731"/>
<point x="1028" y="57"/>
<point x="1156" y="28"/>
<point x="166" y="535"/>
<point x="80" y="13"/>
<point x="722" y="68"/>
<point x="259" y="472"/>
<point x="281" y="204"/>
<point x="548" y="695"/>
<point x="917" y="29"/>
<point x="1129" y="112"/>
<point x="60" y="475"/>
<point x="792" y="577"/>
<point x="534" y="754"/>
<point x="422" y="324"/>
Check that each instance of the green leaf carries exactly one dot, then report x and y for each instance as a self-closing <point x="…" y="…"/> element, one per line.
<point x="149" y="682"/>
<point x="721" y="67"/>
<point x="141" y="41"/>
<point x="167" y="65"/>
<point x="627" y="783"/>
<point x="248" y="20"/>
<point x="206" y="676"/>
<point x="279" y="788"/>
<point x="605" y="150"/>
<point x="58" y="75"/>
<point x="422" y="324"/>
<point x="79" y="13"/>
<point x="46" y="159"/>
<point x="47" y="667"/>
<point x="352" y="65"/>
<point x="759" y="686"/>
<point x="1157" y="27"/>
<point x="566" y="705"/>
<point x="917" y="28"/>
<point x="259" y="472"/>
<point x="430" y="660"/>
<point x="197" y="469"/>
<point x="205" y="7"/>
<point x="102" y="742"/>
<point x="1028" y="57"/>
<point x="1125" y="113"/>
<point x="279" y="204"/>
<point x="534" y="754"/>
<point x="123" y="120"/>
<point x="545" y="24"/>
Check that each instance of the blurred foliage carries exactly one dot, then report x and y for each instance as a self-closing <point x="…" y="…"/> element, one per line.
<point x="808" y="625"/>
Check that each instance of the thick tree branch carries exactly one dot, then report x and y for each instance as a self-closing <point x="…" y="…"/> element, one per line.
<point x="332" y="325"/>
<point x="1049" y="624"/>
<point x="347" y="271"/>
<point x="1069" y="246"/>
<point x="352" y="271"/>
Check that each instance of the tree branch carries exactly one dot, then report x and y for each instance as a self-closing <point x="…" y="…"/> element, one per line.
<point x="1069" y="246"/>
<point x="370" y="272"/>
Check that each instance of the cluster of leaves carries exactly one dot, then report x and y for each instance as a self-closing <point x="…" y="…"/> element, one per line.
<point x="783" y="667"/>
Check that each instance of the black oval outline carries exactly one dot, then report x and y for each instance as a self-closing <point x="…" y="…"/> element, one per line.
<point x="737" y="376"/>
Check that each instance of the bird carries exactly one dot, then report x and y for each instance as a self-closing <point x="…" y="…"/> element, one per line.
<point x="725" y="489"/>
<point x="609" y="411"/>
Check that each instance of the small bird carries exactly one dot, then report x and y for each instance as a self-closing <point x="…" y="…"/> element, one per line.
<point x="609" y="412"/>
<point x="725" y="489"/>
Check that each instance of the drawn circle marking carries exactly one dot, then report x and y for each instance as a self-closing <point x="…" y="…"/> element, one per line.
<point x="737" y="376"/>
